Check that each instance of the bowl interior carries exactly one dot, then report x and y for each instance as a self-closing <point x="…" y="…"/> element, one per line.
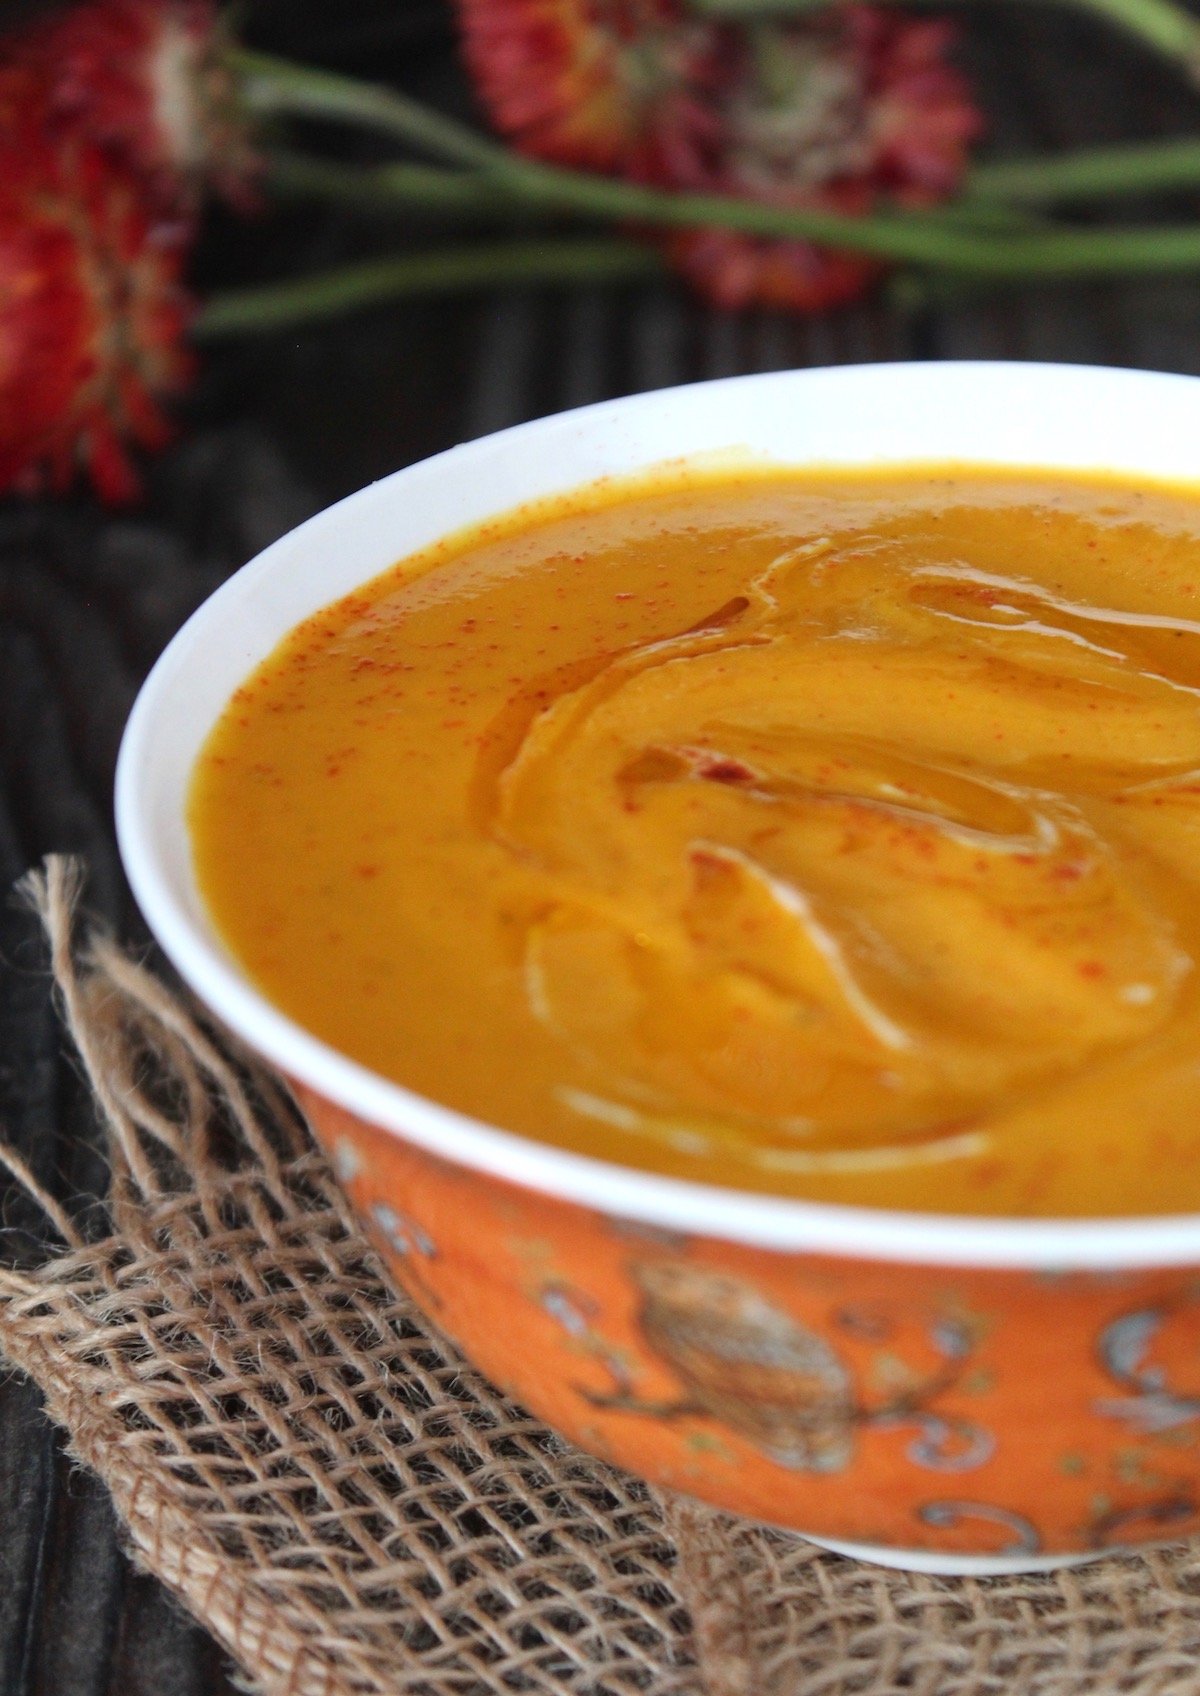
<point x="1066" y="417"/>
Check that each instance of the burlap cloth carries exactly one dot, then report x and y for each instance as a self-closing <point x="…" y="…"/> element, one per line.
<point x="348" y="1507"/>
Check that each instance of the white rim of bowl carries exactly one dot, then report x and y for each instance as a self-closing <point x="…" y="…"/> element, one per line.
<point x="749" y="1218"/>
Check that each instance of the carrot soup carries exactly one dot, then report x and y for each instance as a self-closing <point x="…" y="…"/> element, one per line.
<point x="826" y="833"/>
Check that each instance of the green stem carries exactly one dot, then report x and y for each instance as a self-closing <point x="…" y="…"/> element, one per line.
<point x="271" y="85"/>
<point x="1166" y="28"/>
<point x="387" y="188"/>
<point x="391" y="190"/>
<point x="1098" y="251"/>
<point x="1136" y="168"/>
<point x="282" y="305"/>
<point x="938" y="241"/>
<point x="941" y="241"/>
<point x="1170" y="30"/>
<point x="1148" y="250"/>
<point x="1003" y="250"/>
<point x="277" y="86"/>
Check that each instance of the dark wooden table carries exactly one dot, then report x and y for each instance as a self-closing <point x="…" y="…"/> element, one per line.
<point x="277" y="430"/>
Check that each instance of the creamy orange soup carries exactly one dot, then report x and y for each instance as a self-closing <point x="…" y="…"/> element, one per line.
<point x="828" y="834"/>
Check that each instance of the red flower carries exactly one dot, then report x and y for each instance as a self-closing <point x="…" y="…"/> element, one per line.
<point x="91" y="311"/>
<point x="151" y="82"/>
<point x="735" y="270"/>
<point x="855" y="107"/>
<point x="858" y="106"/>
<point x="614" y="85"/>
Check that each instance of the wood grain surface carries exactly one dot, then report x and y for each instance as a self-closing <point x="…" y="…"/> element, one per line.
<point x="277" y="430"/>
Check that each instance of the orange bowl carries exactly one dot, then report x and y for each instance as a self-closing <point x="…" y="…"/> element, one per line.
<point x="947" y="1394"/>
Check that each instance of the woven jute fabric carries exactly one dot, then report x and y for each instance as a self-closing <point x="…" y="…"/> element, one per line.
<point x="350" y="1508"/>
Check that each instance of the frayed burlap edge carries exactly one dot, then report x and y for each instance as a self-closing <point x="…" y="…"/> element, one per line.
<point x="351" y="1510"/>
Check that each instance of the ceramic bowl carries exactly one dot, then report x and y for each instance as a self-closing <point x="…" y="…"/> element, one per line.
<point x="941" y="1393"/>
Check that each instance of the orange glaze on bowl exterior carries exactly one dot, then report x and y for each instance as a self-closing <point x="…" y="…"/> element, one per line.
<point x="1010" y="1415"/>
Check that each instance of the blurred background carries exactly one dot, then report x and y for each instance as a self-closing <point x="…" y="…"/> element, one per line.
<point x="278" y="426"/>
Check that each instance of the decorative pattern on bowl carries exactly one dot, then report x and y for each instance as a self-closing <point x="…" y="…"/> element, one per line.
<point x="963" y="1411"/>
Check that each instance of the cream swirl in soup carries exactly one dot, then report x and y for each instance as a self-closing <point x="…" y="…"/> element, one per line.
<point x="826" y="833"/>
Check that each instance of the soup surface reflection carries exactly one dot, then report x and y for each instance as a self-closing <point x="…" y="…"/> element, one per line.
<point x="828" y="834"/>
